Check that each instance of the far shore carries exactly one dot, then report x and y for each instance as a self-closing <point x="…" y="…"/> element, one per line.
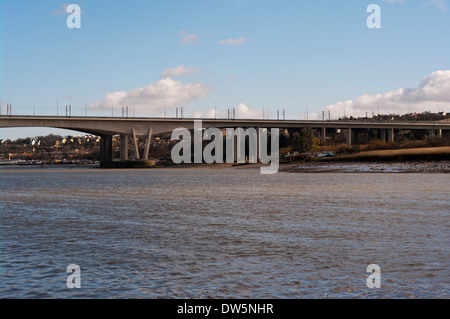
<point x="417" y="160"/>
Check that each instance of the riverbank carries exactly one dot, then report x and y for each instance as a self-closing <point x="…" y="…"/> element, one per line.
<point x="419" y="160"/>
<point x="411" y="154"/>
<point x="366" y="167"/>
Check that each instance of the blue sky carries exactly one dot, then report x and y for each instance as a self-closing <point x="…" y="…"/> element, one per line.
<point x="249" y="55"/>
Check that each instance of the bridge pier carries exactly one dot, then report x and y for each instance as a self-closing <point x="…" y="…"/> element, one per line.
<point x="258" y="147"/>
<point x="323" y="135"/>
<point x="383" y="135"/>
<point x="147" y="144"/>
<point x="123" y="147"/>
<point x="390" y="135"/>
<point x="349" y="136"/>
<point x="148" y="139"/>
<point x="432" y="133"/>
<point x="237" y="147"/>
<point x="135" y="144"/>
<point x="106" y="153"/>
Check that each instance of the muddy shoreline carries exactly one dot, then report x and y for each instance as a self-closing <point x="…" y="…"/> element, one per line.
<point x="368" y="167"/>
<point x="321" y="166"/>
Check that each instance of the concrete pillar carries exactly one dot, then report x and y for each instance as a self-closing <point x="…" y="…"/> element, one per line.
<point x="390" y="135"/>
<point x="431" y="134"/>
<point x="349" y="136"/>
<point x="106" y="154"/>
<point x="323" y="135"/>
<point x="252" y="156"/>
<point x="135" y="144"/>
<point x="147" y="143"/>
<point x="258" y="146"/>
<point x="383" y="135"/>
<point x="439" y="133"/>
<point x="264" y="131"/>
<point x="238" y="149"/>
<point x="124" y="147"/>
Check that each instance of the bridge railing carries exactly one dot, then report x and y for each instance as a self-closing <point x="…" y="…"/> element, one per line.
<point x="122" y="112"/>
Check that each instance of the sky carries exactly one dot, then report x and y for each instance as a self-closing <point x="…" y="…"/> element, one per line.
<point x="308" y="58"/>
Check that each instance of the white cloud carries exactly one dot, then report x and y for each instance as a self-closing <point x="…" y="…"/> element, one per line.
<point x="62" y="10"/>
<point x="155" y="96"/>
<point x="432" y="94"/>
<point x="179" y="70"/>
<point x="441" y="4"/>
<point x="233" y="41"/>
<point x="189" y="38"/>
<point x="242" y="111"/>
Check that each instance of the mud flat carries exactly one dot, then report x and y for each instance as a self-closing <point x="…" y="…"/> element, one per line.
<point x="420" y="160"/>
<point x="375" y="167"/>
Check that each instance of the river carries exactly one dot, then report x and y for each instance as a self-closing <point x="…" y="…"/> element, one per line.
<point x="222" y="233"/>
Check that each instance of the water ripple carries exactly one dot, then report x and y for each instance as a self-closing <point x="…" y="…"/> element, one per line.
<point x="191" y="233"/>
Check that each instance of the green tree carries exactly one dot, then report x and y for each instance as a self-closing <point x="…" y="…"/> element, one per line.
<point x="304" y="141"/>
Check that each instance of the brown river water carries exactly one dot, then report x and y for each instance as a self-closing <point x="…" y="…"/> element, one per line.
<point x="222" y="233"/>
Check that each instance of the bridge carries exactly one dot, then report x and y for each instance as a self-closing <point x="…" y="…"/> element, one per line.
<point x="107" y="127"/>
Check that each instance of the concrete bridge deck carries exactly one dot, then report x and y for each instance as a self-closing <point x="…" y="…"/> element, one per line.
<point x="106" y="127"/>
<point x="114" y="126"/>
